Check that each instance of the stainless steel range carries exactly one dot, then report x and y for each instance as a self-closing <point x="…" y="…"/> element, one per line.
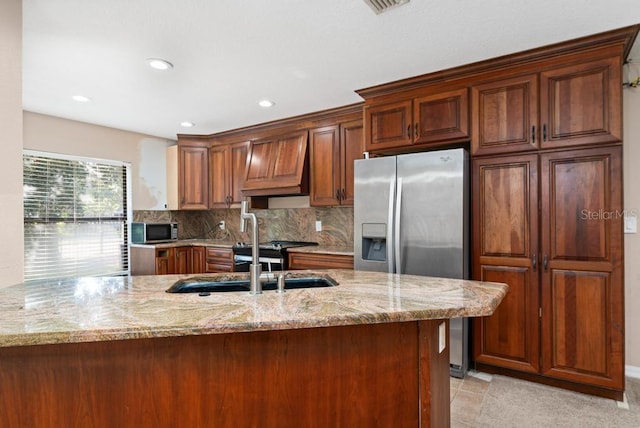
<point x="272" y="255"/>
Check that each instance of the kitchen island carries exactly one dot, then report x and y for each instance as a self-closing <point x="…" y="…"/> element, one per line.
<point x="121" y="352"/>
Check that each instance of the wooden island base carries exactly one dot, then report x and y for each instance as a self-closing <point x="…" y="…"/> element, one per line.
<point x="385" y="375"/>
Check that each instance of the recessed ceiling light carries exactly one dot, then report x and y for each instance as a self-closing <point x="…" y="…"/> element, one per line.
<point x="187" y="124"/>
<point x="81" y="98"/>
<point x="159" y="64"/>
<point x="265" y="103"/>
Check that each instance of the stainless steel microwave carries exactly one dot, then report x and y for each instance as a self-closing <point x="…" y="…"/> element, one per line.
<point x="149" y="233"/>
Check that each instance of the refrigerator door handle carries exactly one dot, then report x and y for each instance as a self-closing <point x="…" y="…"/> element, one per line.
<point x="392" y="190"/>
<point x="396" y="241"/>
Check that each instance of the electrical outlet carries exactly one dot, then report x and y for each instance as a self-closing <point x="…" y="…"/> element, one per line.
<point x="630" y="224"/>
<point x="442" y="337"/>
<point x="222" y="225"/>
<point x="318" y="226"/>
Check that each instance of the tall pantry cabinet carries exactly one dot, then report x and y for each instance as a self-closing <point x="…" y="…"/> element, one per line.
<point x="547" y="220"/>
<point x="544" y="128"/>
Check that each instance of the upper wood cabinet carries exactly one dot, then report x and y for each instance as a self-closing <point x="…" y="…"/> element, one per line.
<point x="278" y="166"/>
<point x="193" y="176"/>
<point x="579" y="104"/>
<point x="228" y="163"/>
<point x="505" y="115"/>
<point x="430" y="119"/>
<point x="333" y="149"/>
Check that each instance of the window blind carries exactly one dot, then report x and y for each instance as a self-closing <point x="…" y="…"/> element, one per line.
<point x="75" y="217"/>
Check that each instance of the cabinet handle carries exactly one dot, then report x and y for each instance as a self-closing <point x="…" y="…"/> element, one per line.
<point x="544" y="132"/>
<point x="533" y="134"/>
<point x="535" y="262"/>
<point x="415" y="131"/>
<point x="343" y="195"/>
<point x="338" y="194"/>
<point x="408" y="131"/>
<point x="545" y="263"/>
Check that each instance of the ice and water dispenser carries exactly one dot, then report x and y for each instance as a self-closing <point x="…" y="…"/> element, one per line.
<point x="374" y="241"/>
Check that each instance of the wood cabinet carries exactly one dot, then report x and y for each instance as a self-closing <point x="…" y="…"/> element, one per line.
<point x="198" y="260"/>
<point x="505" y="243"/>
<point x="228" y="163"/>
<point x="579" y="104"/>
<point x="319" y="261"/>
<point x="193" y="176"/>
<point x="581" y="271"/>
<point x="219" y="259"/>
<point x="183" y="260"/>
<point x="333" y="149"/>
<point x="149" y="260"/>
<point x="278" y="166"/>
<point x="165" y="261"/>
<point x="582" y="103"/>
<point x="560" y="251"/>
<point x="505" y="115"/>
<point x="427" y="119"/>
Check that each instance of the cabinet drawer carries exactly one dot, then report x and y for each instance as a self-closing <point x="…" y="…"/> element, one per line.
<point x="320" y="261"/>
<point x="223" y="254"/>
<point x="219" y="267"/>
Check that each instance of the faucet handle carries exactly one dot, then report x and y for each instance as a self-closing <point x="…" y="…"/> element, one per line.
<point x="280" y="283"/>
<point x="243" y="212"/>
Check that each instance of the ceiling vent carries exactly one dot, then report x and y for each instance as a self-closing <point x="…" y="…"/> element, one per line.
<point x="380" y="6"/>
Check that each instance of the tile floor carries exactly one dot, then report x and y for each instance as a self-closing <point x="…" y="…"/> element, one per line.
<point x="484" y="400"/>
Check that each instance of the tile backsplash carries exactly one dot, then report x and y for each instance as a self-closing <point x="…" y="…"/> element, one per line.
<point x="294" y="224"/>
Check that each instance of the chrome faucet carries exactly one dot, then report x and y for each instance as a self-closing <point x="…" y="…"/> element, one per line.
<point x="255" y="269"/>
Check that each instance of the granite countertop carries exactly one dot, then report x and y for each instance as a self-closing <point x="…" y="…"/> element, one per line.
<point x="189" y="242"/>
<point x="114" y="308"/>
<point x="323" y="249"/>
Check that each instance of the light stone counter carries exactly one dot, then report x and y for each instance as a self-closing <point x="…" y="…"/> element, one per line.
<point x="189" y="243"/>
<point x="323" y="249"/>
<point x="114" y="308"/>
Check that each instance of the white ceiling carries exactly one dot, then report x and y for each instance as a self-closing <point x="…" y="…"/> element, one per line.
<point x="304" y="55"/>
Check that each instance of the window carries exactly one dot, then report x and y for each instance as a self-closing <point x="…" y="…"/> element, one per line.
<point x="75" y="216"/>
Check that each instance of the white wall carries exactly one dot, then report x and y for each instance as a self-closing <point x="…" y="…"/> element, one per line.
<point x="632" y="241"/>
<point x="11" y="252"/>
<point x="146" y="154"/>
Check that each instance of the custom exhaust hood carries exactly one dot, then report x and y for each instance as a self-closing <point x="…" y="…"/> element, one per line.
<point x="278" y="166"/>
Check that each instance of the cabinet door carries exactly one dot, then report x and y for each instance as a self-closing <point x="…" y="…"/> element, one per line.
<point x="581" y="104"/>
<point x="505" y="213"/>
<point x="325" y="185"/>
<point x="165" y="261"/>
<point x="219" y="161"/>
<point x="238" y="164"/>
<point x="183" y="260"/>
<point x="441" y="117"/>
<point x="193" y="177"/>
<point x="582" y="279"/>
<point x="505" y="114"/>
<point x="388" y="126"/>
<point x="351" y="148"/>
<point x="198" y="260"/>
<point x="277" y="163"/>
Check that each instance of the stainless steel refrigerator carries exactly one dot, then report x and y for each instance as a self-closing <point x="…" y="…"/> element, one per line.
<point x="411" y="216"/>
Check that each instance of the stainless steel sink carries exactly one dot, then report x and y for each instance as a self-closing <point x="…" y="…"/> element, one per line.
<point x="211" y="285"/>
